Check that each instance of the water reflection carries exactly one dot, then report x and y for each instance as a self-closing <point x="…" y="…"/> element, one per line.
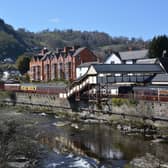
<point x="101" y="143"/>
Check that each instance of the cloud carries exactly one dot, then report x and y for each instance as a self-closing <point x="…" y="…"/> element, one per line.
<point x="54" y="20"/>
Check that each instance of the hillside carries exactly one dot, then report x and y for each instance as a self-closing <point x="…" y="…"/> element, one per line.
<point x="17" y="42"/>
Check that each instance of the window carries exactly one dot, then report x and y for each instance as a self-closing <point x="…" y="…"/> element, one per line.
<point x="79" y="58"/>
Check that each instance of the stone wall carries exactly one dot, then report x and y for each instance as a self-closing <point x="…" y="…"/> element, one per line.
<point x="145" y="109"/>
<point x="42" y="99"/>
<point x="141" y="108"/>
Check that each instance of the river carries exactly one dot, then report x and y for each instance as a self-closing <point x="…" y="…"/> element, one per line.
<point x="80" y="145"/>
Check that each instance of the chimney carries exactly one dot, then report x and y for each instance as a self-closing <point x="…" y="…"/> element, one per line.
<point x="44" y="50"/>
<point x="75" y="47"/>
<point x="66" y="49"/>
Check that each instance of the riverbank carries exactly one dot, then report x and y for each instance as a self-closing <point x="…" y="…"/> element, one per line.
<point x="18" y="147"/>
<point x="123" y="117"/>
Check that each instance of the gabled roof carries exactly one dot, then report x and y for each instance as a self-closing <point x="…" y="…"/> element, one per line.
<point x="108" y="56"/>
<point x="37" y="57"/>
<point x="133" y="55"/>
<point x="127" y="68"/>
<point x="47" y="55"/>
<point x="77" y="52"/>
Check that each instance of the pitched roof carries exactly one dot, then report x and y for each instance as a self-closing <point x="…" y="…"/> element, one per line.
<point x="133" y="55"/>
<point x="108" y="56"/>
<point x="147" y="61"/>
<point x="77" y="52"/>
<point x="127" y="68"/>
<point x="47" y="55"/>
<point x="37" y="57"/>
<point x="160" y="78"/>
<point x="87" y="64"/>
<point x="164" y="63"/>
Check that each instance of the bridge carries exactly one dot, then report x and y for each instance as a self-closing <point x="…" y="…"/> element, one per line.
<point x="102" y="81"/>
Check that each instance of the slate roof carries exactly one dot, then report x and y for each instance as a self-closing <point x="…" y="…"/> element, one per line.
<point x="48" y="54"/>
<point x="77" y="52"/>
<point x="87" y="64"/>
<point x="147" y="61"/>
<point x="164" y="63"/>
<point x="160" y="78"/>
<point x="121" y="68"/>
<point x="37" y="57"/>
<point x="133" y="55"/>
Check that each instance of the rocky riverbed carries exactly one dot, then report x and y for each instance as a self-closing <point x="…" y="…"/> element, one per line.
<point x="34" y="138"/>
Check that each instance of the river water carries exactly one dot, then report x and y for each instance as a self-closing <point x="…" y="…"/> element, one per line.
<point x="79" y="145"/>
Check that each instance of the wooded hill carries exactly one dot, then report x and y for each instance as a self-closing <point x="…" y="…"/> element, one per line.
<point x="17" y="42"/>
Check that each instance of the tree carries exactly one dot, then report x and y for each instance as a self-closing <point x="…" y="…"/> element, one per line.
<point x="158" y="47"/>
<point x="22" y="63"/>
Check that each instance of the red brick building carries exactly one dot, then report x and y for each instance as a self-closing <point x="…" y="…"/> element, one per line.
<point x="60" y="64"/>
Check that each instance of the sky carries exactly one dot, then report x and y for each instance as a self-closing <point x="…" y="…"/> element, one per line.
<point x="129" y="18"/>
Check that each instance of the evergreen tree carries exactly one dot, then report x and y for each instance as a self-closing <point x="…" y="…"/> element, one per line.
<point x="158" y="47"/>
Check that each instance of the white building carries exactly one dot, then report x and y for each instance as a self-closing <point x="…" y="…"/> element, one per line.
<point x="10" y="74"/>
<point x="126" y="57"/>
<point x="113" y="59"/>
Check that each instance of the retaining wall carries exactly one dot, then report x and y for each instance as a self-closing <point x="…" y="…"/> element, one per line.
<point x="144" y="108"/>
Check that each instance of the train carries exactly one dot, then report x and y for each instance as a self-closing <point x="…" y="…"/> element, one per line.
<point x="33" y="88"/>
<point x="149" y="93"/>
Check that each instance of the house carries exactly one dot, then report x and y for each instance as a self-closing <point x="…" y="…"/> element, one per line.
<point x="126" y="57"/>
<point x="114" y="58"/>
<point x="59" y="64"/>
<point x="8" y="60"/>
<point x="130" y="57"/>
<point x="12" y="74"/>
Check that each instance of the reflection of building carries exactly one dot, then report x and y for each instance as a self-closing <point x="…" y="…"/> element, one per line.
<point x="60" y="64"/>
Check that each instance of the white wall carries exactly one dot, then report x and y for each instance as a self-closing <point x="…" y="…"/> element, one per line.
<point x="113" y="59"/>
<point x="129" y="62"/>
<point x="80" y="71"/>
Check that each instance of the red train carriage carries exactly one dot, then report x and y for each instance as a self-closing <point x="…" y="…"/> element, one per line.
<point x="42" y="88"/>
<point x="152" y="93"/>
<point x="12" y="87"/>
<point x="146" y="93"/>
<point x="49" y="89"/>
<point x="1" y="85"/>
<point x="163" y="94"/>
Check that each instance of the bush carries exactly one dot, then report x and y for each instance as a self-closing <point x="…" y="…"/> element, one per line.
<point x="121" y="101"/>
